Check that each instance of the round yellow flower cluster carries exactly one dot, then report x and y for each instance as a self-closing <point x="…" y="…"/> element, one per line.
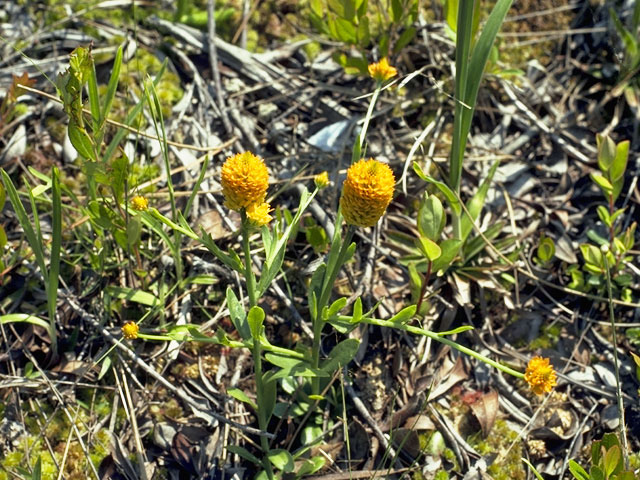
<point x="139" y="203"/>
<point x="366" y="192"/>
<point x="245" y="180"/>
<point x="382" y="71"/>
<point x="130" y="330"/>
<point x="540" y="375"/>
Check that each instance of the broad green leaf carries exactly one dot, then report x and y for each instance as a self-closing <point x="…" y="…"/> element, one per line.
<point x="340" y="355"/>
<point x="612" y="460"/>
<point x="281" y="459"/>
<point x="450" y="249"/>
<point x="596" y="473"/>
<point x="592" y="254"/>
<point x="311" y="466"/>
<point x="619" y="164"/>
<point x="546" y="250"/>
<point x="429" y="248"/>
<point x="240" y="395"/>
<point x="606" y="152"/>
<point x="134" y="230"/>
<point x="255" y="320"/>
<point x="431" y="217"/>
<point x="132" y="295"/>
<point x="81" y="140"/>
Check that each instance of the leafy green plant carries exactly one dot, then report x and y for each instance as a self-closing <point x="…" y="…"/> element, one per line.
<point x="607" y="462"/>
<point x="612" y="163"/>
<point x="359" y="24"/>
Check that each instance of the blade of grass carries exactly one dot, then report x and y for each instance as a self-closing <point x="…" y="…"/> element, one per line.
<point x="56" y="245"/>
<point x="135" y="111"/>
<point x="112" y="87"/>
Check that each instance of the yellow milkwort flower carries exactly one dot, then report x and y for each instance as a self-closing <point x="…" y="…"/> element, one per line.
<point x="321" y="180"/>
<point x="130" y="330"/>
<point x="366" y="192"/>
<point x="245" y="180"/>
<point x="382" y="71"/>
<point x="139" y="203"/>
<point x="540" y="375"/>
<point x="258" y="214"/>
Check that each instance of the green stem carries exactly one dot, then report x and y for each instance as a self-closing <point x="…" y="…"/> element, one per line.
<point x="250" y="278"/>
<point x="327" y="287"/>
<point x="438" y="338"/>
<point x="623" y="430"/>
<point x="256" y="351"/>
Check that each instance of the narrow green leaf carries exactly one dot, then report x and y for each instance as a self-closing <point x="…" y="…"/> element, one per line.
<point x="240" y="395"/>
<point x="243" y="453"/>
<point x="404" y="315"/>
<point x="446" y="191"/>
<point x="237" y="314"/>
<point x="578" y="472"/>
<point x="475" y="204"/>
<point x="112" y="87"/>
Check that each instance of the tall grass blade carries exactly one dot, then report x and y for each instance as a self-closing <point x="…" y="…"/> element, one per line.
<point x="56" y="244"/>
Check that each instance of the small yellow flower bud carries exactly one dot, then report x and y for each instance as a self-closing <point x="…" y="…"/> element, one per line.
<point x="139" y="203"/>
<point x="540" y="375"/>
<point x="382" y="71"/>
<point x="130" y="330"/>
<point x="321" y="180"/>
<point x="245" y="180"/>
<point x="366" y="192"/>
<point x="258" y="214"/>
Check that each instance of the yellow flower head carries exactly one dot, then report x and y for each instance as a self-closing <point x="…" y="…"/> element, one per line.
<point x="540" y="375"/>
<point x="382" y="71"/>
<point x="245" y="180"/>
<point x="139" y="203"/>
<point x="258" y="214"/>
<point x="366" y="192"/>
<point x="130" y="330"/>
<point x="321" y="180"/>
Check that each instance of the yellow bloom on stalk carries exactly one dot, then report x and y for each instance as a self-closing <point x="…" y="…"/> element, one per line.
<point x="245" y="180"/>
<point x="139" y="203"/>
<point x="258" y="214"/>
<point x="540" y="375"/>
<point x="382" y="71"/>
<point x="366" y="192"/>
<point x="321" y="180"/>
<point x="130" y="330"/>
